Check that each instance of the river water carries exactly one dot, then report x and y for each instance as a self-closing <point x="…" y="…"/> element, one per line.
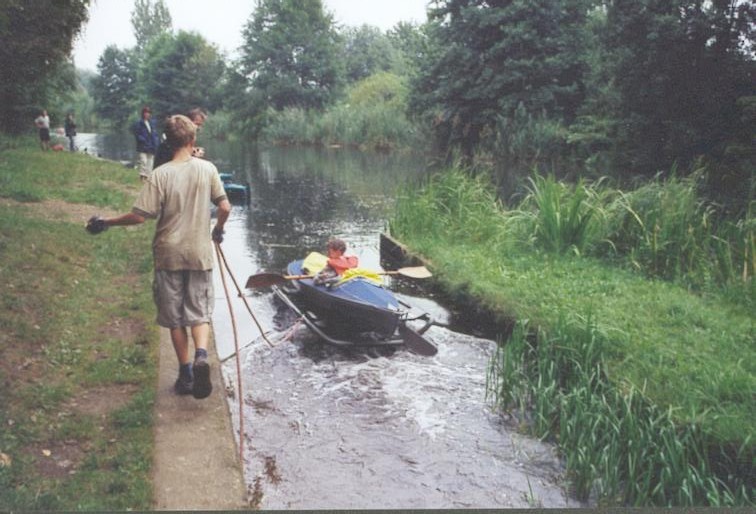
<point x="324" y="428"/>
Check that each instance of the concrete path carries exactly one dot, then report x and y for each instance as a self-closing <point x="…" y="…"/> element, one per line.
<point x="196" y="462"/>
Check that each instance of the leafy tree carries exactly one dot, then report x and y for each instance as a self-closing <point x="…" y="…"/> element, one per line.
<point x="680" y="68"/>
<point x="37" y="38"/>
<point x="149" y="22"/>
<point x="181" y="72"/>
<point x="381" y="88"/>
<point x="114" y="87"/>
<point x="493" y="56"/>
<point x="412" y="43"/>
<point x="367" y="50"/>
<point x="291" y="53"/>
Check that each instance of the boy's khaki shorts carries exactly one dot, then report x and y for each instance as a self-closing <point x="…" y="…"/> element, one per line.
<point x="184" y="298"/>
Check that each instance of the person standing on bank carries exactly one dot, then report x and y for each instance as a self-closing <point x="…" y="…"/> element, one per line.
<point x="43" y="124"/>
<point x="70" y="128"/>
<point x="147" y="141"/>
<point x="164" y="151"/>
<point x="178" y="195"/>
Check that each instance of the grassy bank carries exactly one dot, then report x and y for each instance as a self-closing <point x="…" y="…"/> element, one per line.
<point x="644" y="381"/>
<point x="78" y="353"/>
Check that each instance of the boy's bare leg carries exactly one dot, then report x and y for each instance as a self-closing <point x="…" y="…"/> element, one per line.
<point x="180" y="341"/>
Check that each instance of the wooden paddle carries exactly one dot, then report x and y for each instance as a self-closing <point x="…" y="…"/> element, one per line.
<point x="267" y="279"/>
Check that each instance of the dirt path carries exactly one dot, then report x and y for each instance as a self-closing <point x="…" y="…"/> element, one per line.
<point x="196" y="462"/>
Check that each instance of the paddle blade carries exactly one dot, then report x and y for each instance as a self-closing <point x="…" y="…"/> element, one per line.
<point x="265" y="280"/>
<point x="416" y="272"/>
<point x="415" y="342"/>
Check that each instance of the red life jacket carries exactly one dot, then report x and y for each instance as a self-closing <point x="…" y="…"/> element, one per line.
<point x="343" y="263"/>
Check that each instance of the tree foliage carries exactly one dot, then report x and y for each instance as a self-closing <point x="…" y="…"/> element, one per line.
<point x="149" y="22"/>
<point x="180" y="72"/>
<point x="494" y="56"/>
<point x="679" y="68"/>
<point x="412" y="43"/>
<point x="114" y="87"/>
<point x="291" y="53"/>
<point x="367" y="50"/>
<point x="37" y="39"/>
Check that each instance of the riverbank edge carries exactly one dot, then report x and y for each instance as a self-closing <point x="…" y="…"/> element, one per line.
<point x="500" y="326"/>
<point x="203" y="444"/>
<point x="196" y="459"/>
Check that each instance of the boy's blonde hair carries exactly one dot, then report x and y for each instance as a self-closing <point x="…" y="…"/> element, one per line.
<point x="180" y="131"/>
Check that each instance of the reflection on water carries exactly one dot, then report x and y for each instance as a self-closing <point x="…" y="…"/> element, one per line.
<point x="333" y="429"/>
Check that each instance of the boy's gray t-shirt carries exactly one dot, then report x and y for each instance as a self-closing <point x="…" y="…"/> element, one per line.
<point x="179" y="196"/>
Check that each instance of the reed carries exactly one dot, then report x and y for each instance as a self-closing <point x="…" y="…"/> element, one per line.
<point x="618" y="447"/>
<point x="560" y="217"/>
<point x="667" y="231"/>
<point x="372" y="116"/>
<point x="453" y="205"/>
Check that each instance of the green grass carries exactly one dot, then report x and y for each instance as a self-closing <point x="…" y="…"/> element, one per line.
<point x="63" y="292"/>
<point x="685" y="356"/>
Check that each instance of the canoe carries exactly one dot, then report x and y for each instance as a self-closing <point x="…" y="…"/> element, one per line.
<point x="354" y="312"/>
<point x="234" y="190"/>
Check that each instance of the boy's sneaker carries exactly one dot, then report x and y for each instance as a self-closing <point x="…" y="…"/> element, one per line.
<point x="183" y="385"/>
<point x="202" y="385"/>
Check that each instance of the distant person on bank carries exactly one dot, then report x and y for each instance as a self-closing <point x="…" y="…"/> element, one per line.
<point x="147" y="141"/>
<point x="70" y="128"/>
<point x="42" y="122"/>
<point x="178" y="195"/>
<point x="165" y="151"/>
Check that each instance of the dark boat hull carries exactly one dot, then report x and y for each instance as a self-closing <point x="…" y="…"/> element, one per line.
<point x="357" y="312"/>
<point x="354" y="307"/>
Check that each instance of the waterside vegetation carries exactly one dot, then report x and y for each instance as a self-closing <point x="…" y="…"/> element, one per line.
<point x="78" y="345"/>
<point x="627" y="326"/>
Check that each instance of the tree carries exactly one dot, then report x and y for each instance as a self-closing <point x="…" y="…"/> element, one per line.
<point x="367" y="50"/>
<point x="180" y="72"/>
<point x="114" y="87"/>
<point x="680" y="68"/>
<point x="497" y="57"/>
<point x="149" y="22"/>
<point x="291" y="53"/>
<point x="412" y="43"/>
<point x="37" y="38"/>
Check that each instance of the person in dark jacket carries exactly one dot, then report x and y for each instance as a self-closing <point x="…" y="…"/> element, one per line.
<point x="147" y="141"/>
<point x="70" y="127"/>
<point x="165" y="151"/>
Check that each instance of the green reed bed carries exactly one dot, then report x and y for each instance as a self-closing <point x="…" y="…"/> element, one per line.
<point x="651" y="398"/>
<point x="77" y="341"/>
<point x="372" y="115"/>
<point x="368" y="126"/>
<point x="619" y="447"/>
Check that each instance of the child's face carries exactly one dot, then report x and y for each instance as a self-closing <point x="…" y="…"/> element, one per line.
<point x="333" y="253"/>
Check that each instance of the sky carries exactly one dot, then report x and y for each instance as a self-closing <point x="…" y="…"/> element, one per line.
<point x="221" y="21"/>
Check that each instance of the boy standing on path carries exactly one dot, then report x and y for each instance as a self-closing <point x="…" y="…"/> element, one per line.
<point x="178" y="195"/>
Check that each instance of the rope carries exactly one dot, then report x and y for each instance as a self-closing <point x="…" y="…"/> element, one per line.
<point x="222" y="258"/>
<point x="222" y="261"/>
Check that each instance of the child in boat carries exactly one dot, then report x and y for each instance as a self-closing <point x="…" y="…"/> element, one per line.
<point x="338" y="263"/>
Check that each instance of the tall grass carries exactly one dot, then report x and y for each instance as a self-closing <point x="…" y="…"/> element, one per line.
<point x="452" y="204"/>
<point x="662" y="228"/>
<point x="666" y="230"/>
<point x="560" y="217"/>
<point x="619" y="448"/>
